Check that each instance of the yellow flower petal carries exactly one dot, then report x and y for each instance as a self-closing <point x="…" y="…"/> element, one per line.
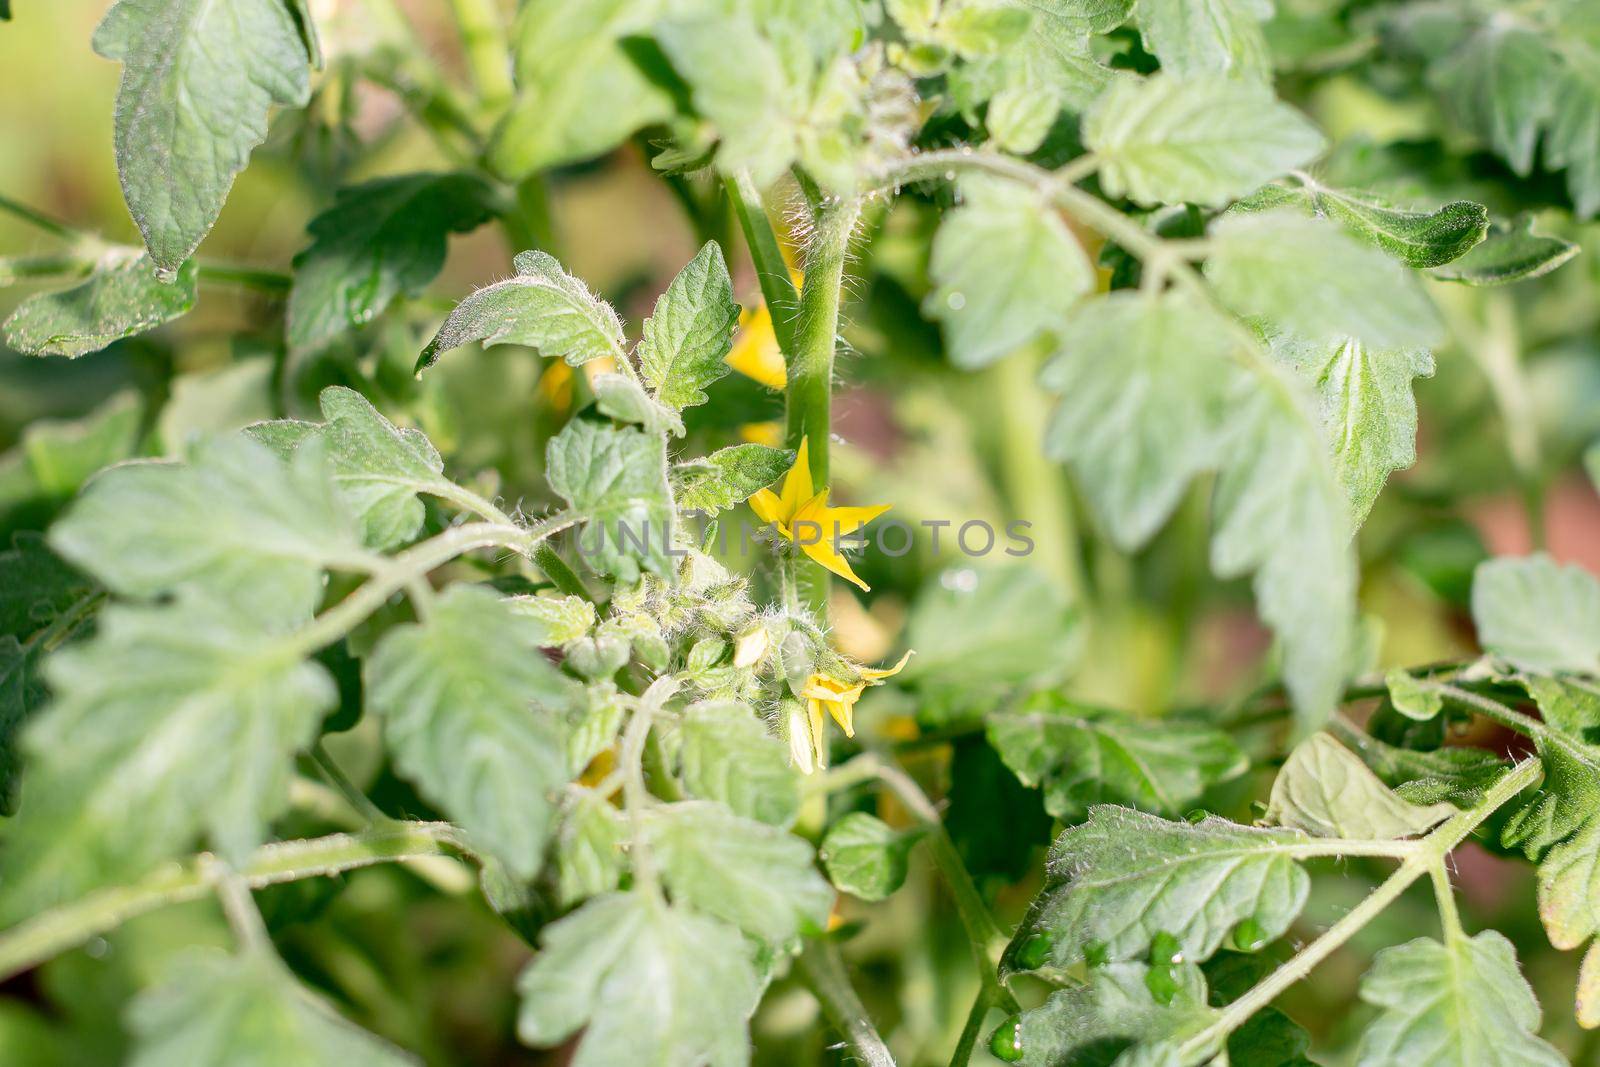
<point x="755" y="352"/>
<point x="876" y="674"/>
<point x="822" y="553"/>
<point x="819" y="738"/>
<point x="797" y="487"/>
<point x="768" y="433"/>
<point x="769" y="508"/>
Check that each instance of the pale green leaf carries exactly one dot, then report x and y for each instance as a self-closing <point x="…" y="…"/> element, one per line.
<point x="727" y="477"/>
<point x="1572" y="136"/>
<point x="730" y="756"/>
<point x="1115" y="1018"/>
<point x="1083" y="756"/>
<point x="587" y="849"/>
<point x="690" y="331"/>
<point x="1121" y="879"/>
<point x="1311" y="278"/>
<point x="1006" y="268"/>
<point x="1197" y="37"/>
<point x="1367" y="409"/>
<point x="174" y="721"/>
<point x="865" y="856"/>
<point x="235" y="521"/>
<point x="617" y="481"/>
<point x="542" y="307"/>
<point x="1511" y="253"/>
<point x="211" y="403"/>
<point x="752" y="874"/>
<point x="378" y="467"/>
<point x="624" y="399"/>
<point x="1085" y="16"/>
<point x="121" y="298"/>
<point x="1538" y="614"/>
<point x="1499" y="86"/>
<point x="61" y="455"/>
<point x="474" y="715"/>
<point x="560" y="619"/>
<point x="1140" y="413"/>
<point x="1207" y="140"/>
<point x="646" y="984"/>
<point x="1325" y="790"/>
<point x="1461" y="1003"/>
<point x="579" y="94"/>
<point x="245" y="1011"/>
<point x="379" y="241"/>
<point x="198" y="80"/>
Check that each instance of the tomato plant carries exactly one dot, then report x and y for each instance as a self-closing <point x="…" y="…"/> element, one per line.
<point x="802" y="531"/>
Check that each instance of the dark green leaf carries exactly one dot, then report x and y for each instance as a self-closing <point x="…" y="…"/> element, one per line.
<point x="727" y="477"/>
<point x="121" y="298"/>
<point x="865" y="856"/>
<point x="1416" y="238"/>
<point x="198" y="80"/>
<point x="379" y="241"/>
<point x="1511" y="253"/>
<point x="690" y="332"/>
<point x="36" y="586"/>
<point x="473" y="713"/>
<point x="1083" y="756"/>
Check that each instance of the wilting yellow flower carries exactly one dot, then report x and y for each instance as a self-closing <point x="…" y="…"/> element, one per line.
<point x="824" y="693"/>
<point x="802" y="515"/>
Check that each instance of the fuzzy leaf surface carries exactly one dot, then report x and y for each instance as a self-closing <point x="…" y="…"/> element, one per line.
<point x="617" y="480"/>
<point x="865" y="856"/>
<point x="730" y="757"/>
<point x="690" y="332"/>
<point x="1325" y="790"/>
<point x="473" y="714"/>
<point x="118" y="300"/>
<point x="198" y="80"/>
<point x="1538" y="614"/>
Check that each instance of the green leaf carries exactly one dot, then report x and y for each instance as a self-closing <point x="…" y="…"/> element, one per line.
<point x="36" y="586"/>
<point x="1462" y="1003"/>
<point x="1316" y="281"/>
<point x="235" y="522"/>
<point x="379" y="241"/>
<point x="1207" y="140"/>
<point x="174" y="720"/>
<point x="1499" y="86"/>
<point x="1411" y="697"/>
<point x="588" y="848"/>
<point x="617" y="480"/>
<point x="644" y="982"/>
<point x="1117" y="1017"/>
<point x="559" y="619"/>
<point x="624" y="399"/>
<point x="1083" y="756"/>
<point x="1416" y="238"/>
<point x="865" y="856"/>
<point x="979" y="632"/>
<point x="1198" y="37"/>
<point x="1006" y="269"/>
<point x="542" y="307"/>
<point x="378" y="468"/>
<point x="728" y="476"/>
<point x="729" y="756"/>
<point x="749" y="873"/>
<point x="1085" y="16"/>
<point x="1366" y="406"/>
<point x="1118" y="881"/>
<point x="1538" y="614"/>
<point x="22" y="694"/>
<point x="198" y="80"/>
<point x="473" y="714"/>
<point x="1325" y="790"/>
<point x="121" y="298"/>
<point x="1572" y="135"/>
<point x="1460" y="775"/>
<point x="690" y="332"/>
<point x="245" y="1011"/>
<point x="579" y="94"/>
<point x="61" y="456"/>
<point x="1511" y="253"/>
<point x="1140" y="413"/>
<point x="741" y="85"/>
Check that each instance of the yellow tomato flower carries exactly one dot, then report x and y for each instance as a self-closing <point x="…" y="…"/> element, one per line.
<point x="802" y="515"/>
<point x="824" y="694"/>
<point x="755" y="352"/>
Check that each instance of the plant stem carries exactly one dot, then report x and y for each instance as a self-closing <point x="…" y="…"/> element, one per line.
<point x="1428" y="856"/>
<point x="1033" y="483"/>
<point x="822" y="968"/>
<point x="244" y="918"/>
<point x="49" y="265"/>
<point x="39" y="220"/>
<point x="49" y="933"/>
<point x="810" y="390"/>
<point x="483" y="39"/>
<point x="635" y="794"/>
<point x="339" y="780"/>
<point x="970" y="1032"/>
<point x="772" y="270"/>
<point x="1493" y="710"/>
<point x="260" y="279"/>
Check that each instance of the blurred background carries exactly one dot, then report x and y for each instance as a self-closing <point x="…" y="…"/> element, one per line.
<point x="414" y="953"/>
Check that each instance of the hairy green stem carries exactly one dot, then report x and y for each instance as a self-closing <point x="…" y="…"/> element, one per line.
<point x="972" y="1030"/>
<point x="1428" y="856"/>
<point x="233" y="893"/>
<point x="259" y="279"/>
<point x="49" y="933"/>
<point x="483" y="40"/>
<point x="49" y="265"/>
<point x="39" y="220"/>
<point x="822" y="968"/>
<point x="772" y="271"/>
<point x="809" y="398"/>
